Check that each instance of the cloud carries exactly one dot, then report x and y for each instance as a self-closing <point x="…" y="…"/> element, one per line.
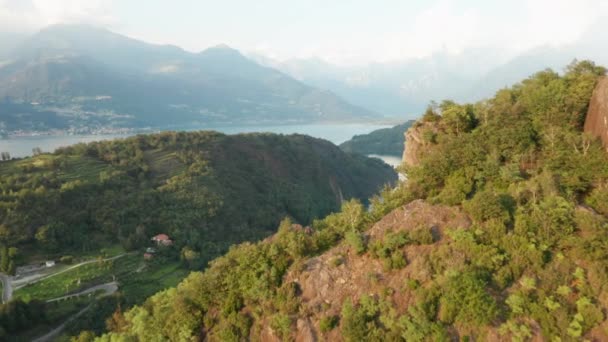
<point x="29" y="15"/>
<point x="448" y="26"/>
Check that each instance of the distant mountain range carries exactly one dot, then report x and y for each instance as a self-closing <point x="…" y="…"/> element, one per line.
<point x="404" y="88"/>
<point x="76" y="78"/>
<point x="80" y="76"/>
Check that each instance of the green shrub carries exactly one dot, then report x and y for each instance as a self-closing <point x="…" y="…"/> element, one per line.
<point x="66" y="259"/>
<point x="328" y="323"/>
<point x="422" y="236"/>
<point x="486" y="205"/>
<point x="466" y="300"/>
<point x="356" y="241"/>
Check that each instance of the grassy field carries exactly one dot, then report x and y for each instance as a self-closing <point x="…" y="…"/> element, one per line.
<point x="79" y="278"/>
<point x="163" y="164"/>
<point x="136" y="286"/>
<point x="73" y="168"/>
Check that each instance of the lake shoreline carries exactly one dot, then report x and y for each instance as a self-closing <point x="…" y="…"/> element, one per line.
<point x="21" y="146"/>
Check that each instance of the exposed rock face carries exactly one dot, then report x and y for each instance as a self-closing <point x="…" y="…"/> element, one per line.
<point x="325" y="284"/>
<point x="415" y="142"/>
<point x="596" y="122"/>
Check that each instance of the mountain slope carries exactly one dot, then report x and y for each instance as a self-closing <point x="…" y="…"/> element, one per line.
<point x="90" y="75"/>
<point x="386" y="141"/>
<point x="207" y="189"/>
<point x="499" y="233"/>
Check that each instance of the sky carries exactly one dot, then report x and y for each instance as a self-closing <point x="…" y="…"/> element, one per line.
<point x="343" y="32"/>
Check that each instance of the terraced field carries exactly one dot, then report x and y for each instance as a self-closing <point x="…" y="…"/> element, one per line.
<point x="71" y="168"/>
<point x="163" y="164"/>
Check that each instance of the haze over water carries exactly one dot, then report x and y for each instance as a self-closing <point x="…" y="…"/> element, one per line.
<point x="20" y="147"/>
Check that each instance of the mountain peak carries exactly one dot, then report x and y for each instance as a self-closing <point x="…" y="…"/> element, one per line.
<point x="222" y="47"/>
<point x="223" y="50"/>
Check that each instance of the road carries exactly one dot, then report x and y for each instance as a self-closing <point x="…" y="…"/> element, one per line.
<point x="31" y="280"/>
<point x="10" y="283"/>
<point x="7" y="287"/>
<point x="109" y="288"/>
<point x="55" y="332"/>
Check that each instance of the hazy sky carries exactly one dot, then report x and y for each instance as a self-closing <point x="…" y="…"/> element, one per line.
<point x="340" y="31"/>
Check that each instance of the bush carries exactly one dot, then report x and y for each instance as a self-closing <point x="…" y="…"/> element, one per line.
<point x="422" y="236"/>
<point x="355" y="240"/>
<point x="486" y="205"/>
<point x="465" y="300"/>
<point x="328" y="323"/>
<point x="282" y="324"/>
<point x="66" y="259"/>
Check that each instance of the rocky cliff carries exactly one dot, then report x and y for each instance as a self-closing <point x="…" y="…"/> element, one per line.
<point x="596" y="122"/>
<point x="327" y="280"/>
<point x="417" y="138"/>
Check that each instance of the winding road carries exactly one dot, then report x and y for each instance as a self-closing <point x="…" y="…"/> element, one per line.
<point x="108" y="289"/>
<point x="10" y="283"/>
<point x="55" y="332"/>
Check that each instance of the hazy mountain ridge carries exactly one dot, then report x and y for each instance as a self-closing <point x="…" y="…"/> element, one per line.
<point x="403" y="88"/>
<point x="82" y="69"/>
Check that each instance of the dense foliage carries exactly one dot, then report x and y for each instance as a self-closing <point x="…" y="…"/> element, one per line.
<point x="205" y="190"/>
<point x="533" y="262"/>
<point x="17" y="316"/>
<point x="385" y="141"/>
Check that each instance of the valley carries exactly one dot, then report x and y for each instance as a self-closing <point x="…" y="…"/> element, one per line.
<point x="98" y="205"/>
<point x="497" y="234"/>
<point x="306" y="171"/>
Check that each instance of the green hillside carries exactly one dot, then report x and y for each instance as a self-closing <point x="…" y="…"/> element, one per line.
<point x="385" y="141"/>
<point x="205" y="189"/>
<point x="498" y="234"/>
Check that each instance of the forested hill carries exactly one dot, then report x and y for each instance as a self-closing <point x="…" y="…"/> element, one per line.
<point x="205" y="189"/>
<point x="385" y="141"/>
<point x="499" y="233"/>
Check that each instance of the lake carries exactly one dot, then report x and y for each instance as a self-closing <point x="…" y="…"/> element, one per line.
<point x="336" y="133"/>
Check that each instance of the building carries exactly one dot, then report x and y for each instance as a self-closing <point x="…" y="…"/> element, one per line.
<point x="50" y="263"/>
<point x="162" y="240"/>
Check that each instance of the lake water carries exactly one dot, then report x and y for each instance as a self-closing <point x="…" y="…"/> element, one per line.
<point x="336" y="133"/>
<point x="390" y="160"/>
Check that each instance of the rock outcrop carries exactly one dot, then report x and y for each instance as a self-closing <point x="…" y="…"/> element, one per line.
<point x="415" y="141"/>
<point x="596" y="122"/>
<point x="327" y="280"/>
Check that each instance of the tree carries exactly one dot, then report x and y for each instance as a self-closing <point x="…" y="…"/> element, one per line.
<point x="4" y="259"/>
<point x="353" y="323"/>
<point x="457" y="119"/>
<point x="356" y="241"/>
<point x="465" y="300"/>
